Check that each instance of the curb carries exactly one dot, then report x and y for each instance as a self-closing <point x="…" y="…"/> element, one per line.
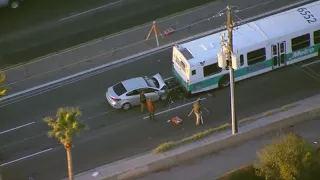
<point x="268" y="113"/>
<point x="241" y="122"/>
<point x="223" y="143"/>
<point x="139" y="55"/>
<point x="124" y="31"/>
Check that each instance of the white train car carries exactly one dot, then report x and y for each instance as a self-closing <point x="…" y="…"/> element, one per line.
<point x="260" y="46"/>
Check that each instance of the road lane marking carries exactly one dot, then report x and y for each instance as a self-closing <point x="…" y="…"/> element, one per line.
<point x="18" y="127"/>
<point x="308" y="64"/>
<point x="28" y="93"/>
<point x="143" y="54"/>
<point x="24" y="140"/>
<point x="110" y="36"/>
<point x="103" y="113"/>
<point x="45" y="133"/>
<point x="94" y="9"/>
<point x="174" y="108"/>
<point x="25" y="157"/>
<point x="166" y="79"/>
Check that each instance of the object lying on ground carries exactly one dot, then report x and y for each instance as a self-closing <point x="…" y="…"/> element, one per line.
<point x="177" y="120"/>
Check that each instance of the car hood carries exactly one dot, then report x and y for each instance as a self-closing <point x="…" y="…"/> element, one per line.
<point x="160" y="80"/>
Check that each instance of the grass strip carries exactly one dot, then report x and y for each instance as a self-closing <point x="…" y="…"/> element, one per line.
<point x="195" y="137"/>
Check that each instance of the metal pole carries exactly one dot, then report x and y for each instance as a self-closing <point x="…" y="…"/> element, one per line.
<point x="156" y="32"/>
<point x="230" y="50"/>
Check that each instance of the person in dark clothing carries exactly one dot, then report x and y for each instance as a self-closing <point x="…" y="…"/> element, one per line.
<point x="143" y="100"/>
<point x="151" y="108"/>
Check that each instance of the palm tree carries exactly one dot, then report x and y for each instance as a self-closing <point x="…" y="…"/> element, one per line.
<point x="2" y="89"/>
<point x="2" y="93"/>
<point x="63" y="128"/>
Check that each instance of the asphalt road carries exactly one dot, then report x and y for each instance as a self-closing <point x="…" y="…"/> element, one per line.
<point x="26" y="30"/>
<point x="53" y="32"/>
<point x="55" y="26"/>
<point x="34" y="13"/>
<point x="114" y="135"/>
<point x="214" y="165"/>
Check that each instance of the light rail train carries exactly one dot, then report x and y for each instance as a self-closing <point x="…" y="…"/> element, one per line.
<point x="260" y="46"/>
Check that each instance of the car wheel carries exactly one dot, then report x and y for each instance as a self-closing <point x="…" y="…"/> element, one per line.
<point x="14" y="4"/>
<point x="224" y="81"/>
<point x="126" y="106"/>
<point x="163" y="97"/>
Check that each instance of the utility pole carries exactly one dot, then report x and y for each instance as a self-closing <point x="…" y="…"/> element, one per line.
<point x="226" y="58"/>
<point x="231" y="72"/>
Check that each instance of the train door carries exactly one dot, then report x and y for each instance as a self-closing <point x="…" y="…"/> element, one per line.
<point x="278" y="52"/>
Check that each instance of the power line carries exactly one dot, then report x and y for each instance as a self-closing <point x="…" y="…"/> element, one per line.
<point x="217" y="15"/>
<point x="293" y="64"/>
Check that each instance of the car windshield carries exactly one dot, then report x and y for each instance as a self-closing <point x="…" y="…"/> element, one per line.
<point x="152" y="82"/>
<point x="119" y="89"/>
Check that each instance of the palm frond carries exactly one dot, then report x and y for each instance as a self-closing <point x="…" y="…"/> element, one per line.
<point x="3" y="90"/>
<point x="51" y="134"/>
<point x="65" y="125"/>
<point x="2" y="77"/>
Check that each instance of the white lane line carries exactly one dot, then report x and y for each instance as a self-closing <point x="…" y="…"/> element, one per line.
<point x="166" y="79"/>
<point x="25" y="157"/>
<point x="85" y="12"/>
<point x="308" y="64"/>
<point x="98" y="115"/>
<point x="140" y="55"/>
<point x="87" y="73"/>
<point x="18" y="127"/>
<point x="174" y="108"/>
<point x="45" y="133"/>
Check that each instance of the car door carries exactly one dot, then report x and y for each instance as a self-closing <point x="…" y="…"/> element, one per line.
<point x="133" y="97"/>
<point x="152" y="93"/>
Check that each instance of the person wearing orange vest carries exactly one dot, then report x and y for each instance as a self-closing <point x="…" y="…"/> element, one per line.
<point x="151" y="108"/>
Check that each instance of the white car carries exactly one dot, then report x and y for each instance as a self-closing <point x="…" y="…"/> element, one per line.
<point x="126" y="94"/>
<point x="10" y="3"/>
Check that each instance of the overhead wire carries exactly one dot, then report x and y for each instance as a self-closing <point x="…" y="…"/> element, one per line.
<point x="316" y="75"/>
<point x="217" y="15"/>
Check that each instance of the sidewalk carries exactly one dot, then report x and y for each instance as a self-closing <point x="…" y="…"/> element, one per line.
<point x="215" y="165"/>
<point x="126" y="45"/>
<point x="258" y="125"/>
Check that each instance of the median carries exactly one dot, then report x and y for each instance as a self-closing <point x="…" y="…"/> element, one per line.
<point x="195" y="137"/>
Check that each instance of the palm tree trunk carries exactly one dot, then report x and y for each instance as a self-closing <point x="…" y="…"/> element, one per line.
<point x="68" y="147"/>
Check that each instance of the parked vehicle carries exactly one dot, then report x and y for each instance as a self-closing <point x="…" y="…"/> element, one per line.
<point x="10" y="3"/>
<point x="260" y="46"/>
<point x="126" y="94"/>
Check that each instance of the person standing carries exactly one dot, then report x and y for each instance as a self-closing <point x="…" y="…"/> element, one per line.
<point x="143" y="100"/>
<point x="151" y="108"/>
<point x="197" y="111"/>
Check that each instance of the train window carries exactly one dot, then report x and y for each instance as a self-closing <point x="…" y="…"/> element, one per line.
<point x="274" y="50"/>
<point x="241" y="60"/>
<point x="256" y="56"/>
<point x="193" y="72"/>
<point x="316" y="37"/>
<point x="181" y="64"/>
<point x="211" y="69"/>
<point x="300" y="42"/>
